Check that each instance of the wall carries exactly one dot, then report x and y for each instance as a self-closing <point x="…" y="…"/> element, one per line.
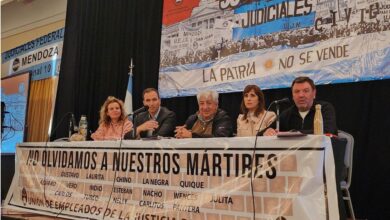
<point x="25" y="20"/>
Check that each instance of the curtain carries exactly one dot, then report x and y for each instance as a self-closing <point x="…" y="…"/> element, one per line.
<point x="40" y="108"/>
<point x="100" y="39"/>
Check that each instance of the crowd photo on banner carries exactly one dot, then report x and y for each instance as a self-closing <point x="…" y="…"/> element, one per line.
<point x="225" y="45"/>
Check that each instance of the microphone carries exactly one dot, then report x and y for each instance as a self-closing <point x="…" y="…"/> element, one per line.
<point x="142" y="109"/>
<point x="52" y="131"/>
<point x="277" y="102"/>
<point x="75" y="128"/>
<point x="71" y="125"/>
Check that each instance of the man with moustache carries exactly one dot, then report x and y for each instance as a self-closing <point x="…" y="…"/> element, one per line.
<point x="209" y="121"/>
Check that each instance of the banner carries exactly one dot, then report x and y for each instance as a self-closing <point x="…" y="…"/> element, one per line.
<point x="41" y="56"/>
<point x="224" y="45"/>
<point x="216" y="178"/>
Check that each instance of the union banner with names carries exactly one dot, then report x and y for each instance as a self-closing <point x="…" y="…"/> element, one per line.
<point x="217" y="178"/>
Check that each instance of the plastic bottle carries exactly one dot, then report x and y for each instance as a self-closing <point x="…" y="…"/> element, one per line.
<point x="318" y="121"/>
<point x="83" y="126"/>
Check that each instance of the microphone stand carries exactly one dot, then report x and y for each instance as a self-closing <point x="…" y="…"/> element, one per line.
<point x="277" y="105"/>
<point x="136" y="112"/>
<point x="255" y="147"/>
<point x="70" y="128"/>
<point x="134" y="131"/>
<point x="277" y="116"/>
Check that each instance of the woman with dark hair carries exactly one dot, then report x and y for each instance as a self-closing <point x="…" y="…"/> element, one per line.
<point x="113" y="122"/>
<point x="253" y="113"/>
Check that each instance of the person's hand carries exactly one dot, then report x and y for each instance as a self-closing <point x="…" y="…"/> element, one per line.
<point x="178" y="128"/>
<point x="77" y="137"/>
<point x="270" y="132"/>
<point x="182" y="132"/>
<point x="148" y="125"/>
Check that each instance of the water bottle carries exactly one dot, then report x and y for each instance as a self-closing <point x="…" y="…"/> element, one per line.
<point x="83" y="126"/>
<point x="318" y="121"/>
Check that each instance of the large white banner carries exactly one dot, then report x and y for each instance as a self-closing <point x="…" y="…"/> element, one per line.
<point x="225" y="45"/>
<point x="42" y="56"/>
<point x="292" y="178"/>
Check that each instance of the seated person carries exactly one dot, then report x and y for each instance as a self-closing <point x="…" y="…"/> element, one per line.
<point x="253" y="113"/>
<point x="300" y="116"/>
<point x="157" y="121"/>
<point x="208" y="122"/>
<point x="113" y="122"/>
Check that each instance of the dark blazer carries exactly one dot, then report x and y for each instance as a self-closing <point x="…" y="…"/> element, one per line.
<point x="222" y="125"/>
<point x="166" y="123"/>
<point x="291" y="119"/>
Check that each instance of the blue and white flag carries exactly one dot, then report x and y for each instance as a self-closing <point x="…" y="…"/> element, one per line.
<point x="129" y="91"/>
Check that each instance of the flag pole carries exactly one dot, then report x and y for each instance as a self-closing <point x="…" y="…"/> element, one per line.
<point x="129" y="90"/>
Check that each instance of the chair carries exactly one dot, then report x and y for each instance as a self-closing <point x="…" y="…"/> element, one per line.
<point x="348" y="159"/>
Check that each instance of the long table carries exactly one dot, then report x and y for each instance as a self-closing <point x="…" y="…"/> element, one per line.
<point x="215" y="178"/>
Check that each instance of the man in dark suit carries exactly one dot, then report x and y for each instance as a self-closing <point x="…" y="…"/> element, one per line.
<point x="300" y="116"/>
<point x="157" y="121"/>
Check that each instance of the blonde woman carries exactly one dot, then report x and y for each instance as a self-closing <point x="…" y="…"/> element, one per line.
<point x="113" y="122"/>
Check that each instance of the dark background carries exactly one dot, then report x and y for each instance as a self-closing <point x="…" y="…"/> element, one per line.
<point x="101" y="36"/>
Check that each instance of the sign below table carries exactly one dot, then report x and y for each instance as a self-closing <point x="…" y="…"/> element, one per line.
<point x="216" y="178"/>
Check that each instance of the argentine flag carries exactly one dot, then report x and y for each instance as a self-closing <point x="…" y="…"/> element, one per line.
<point x="129" y="91"/>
